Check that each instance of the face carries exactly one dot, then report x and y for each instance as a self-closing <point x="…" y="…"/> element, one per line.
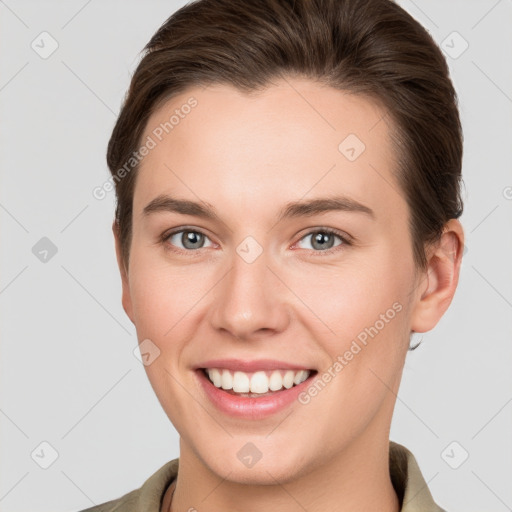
<point x="253" y="282"/>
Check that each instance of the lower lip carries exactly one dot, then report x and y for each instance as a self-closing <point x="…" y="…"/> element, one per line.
<point x="249" y="407"/>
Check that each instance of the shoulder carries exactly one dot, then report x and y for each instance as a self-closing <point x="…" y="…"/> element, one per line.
<point x="124" y="503"/>
<point x="408" y="481"/>
<point x="146" y="498"/>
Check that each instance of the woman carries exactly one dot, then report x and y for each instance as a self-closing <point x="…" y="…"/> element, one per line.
<point x="287" y="177"/>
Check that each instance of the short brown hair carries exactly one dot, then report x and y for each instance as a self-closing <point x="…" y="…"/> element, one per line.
<point x="367" y="47"/>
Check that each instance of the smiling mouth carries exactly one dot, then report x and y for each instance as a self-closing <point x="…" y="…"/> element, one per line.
<point x="256" y="384"/>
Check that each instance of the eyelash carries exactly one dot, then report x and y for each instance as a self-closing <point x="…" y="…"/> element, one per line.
<point x="345" y="239"/>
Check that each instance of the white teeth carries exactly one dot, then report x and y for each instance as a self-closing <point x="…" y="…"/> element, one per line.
<point x="240" y="382"/>
<point x="258" y="382"/>
<point x="227" y="379"/>
<point x="215" y="377"/>
<point x="288" y="379"/>
<point x="300" y="377"/>
<point x="275" y="382"/>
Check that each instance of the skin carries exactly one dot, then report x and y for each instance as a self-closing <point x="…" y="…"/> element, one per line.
<point x="247" y="156"/>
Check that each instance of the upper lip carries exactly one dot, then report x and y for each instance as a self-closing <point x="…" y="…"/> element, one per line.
<point x="251" y="366"/>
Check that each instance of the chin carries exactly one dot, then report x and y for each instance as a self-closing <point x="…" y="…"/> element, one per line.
<point x="264" y="469"/>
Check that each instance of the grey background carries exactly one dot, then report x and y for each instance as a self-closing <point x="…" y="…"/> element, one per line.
<point x="68" y="373"/>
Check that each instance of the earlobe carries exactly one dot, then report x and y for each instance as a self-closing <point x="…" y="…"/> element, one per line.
<point x="437" y="287"/>
<point x="126" y="296"/>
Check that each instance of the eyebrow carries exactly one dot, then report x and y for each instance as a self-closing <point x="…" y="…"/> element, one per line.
<point x="166" y="203"/>
<point x="322" y="205"/>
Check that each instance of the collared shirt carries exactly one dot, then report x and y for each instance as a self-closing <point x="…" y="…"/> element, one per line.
<point x="406" y="477"/>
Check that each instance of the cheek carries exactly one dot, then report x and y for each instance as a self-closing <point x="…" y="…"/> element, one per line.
<point x="364" y="316"/>
<point x="164" y="304"/>
<point x="346" y="294"/>
<point x="163" y="297"/>
<point x="363" y="304"/>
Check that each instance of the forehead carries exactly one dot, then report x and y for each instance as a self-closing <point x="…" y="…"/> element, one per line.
<point x="293" y="138"/>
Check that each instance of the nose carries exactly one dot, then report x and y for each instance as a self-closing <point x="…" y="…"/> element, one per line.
<point x="250" y="301"/>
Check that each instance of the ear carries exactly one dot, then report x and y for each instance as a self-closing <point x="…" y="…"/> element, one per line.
<point x="126" y="297"/>
<point x="438" y="284"/>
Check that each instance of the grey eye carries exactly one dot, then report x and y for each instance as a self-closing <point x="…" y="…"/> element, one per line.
<point x="188" y="239"/>
<point x="322" y="239"/>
